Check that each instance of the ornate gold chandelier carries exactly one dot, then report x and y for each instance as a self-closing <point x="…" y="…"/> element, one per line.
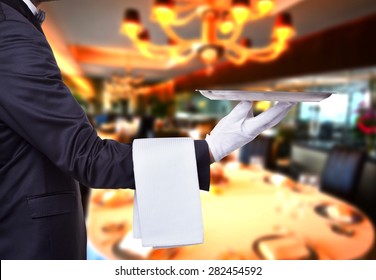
<point x="221" y="35"/>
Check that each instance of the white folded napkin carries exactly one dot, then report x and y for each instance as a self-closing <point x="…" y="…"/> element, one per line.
<point x="167" y="207"/>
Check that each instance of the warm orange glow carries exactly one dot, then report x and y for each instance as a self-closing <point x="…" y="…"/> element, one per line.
<point x="132" y="29"/>
<point x="165" y="15"/>
<point x="284" y="33"/>
<point x="240" y="14"/>
<point x="265" y="6"/>
<point x="83" y="85"/>
<point x="144" y="48"/>
<point x="113" y="57"/>
<point x="74" y="74"/>
<point x="64" y="58"/>
<point x="209" y="28"/>
<point x="174" y="53"/>
<point x="177" y="58"/>
<point x="66" y="66"/>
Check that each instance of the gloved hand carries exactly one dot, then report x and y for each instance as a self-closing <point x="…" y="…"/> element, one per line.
<point x="240" y="127"/>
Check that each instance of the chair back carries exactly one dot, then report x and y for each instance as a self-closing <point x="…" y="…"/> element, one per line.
<point x="261" y="146"/>
<point x="365" y="197"/>
<point x="342" y="172"/>
<point x="146" y="127"/>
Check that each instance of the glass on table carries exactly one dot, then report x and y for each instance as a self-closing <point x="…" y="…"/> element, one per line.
<point x="297" y="206"/>
<point x="314" y="182"/>
<point x="308" y="181"/>
<point x="309" y="184"/>
<point x="281" y="205"/>
<point x="257" y="162"/>
<point x="303" y="179"/>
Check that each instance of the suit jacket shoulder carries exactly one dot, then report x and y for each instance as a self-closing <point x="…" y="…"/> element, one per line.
<point x="8" y="13"/>
<point x="11" y="14"/>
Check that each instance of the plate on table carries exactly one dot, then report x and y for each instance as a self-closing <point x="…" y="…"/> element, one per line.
<point x="339" y="213"/>
<point x="129" y="248"/>
<point x="283" y="247"/>
<point x="123" y="254"/>
<point x="264" y="95"/>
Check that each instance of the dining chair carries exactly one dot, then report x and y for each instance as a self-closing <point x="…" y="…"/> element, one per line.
<point x="146" y="128"/>
<point x="261" y="146"/>
<point x="365" y="198"/>
<point x="342" y="172"/>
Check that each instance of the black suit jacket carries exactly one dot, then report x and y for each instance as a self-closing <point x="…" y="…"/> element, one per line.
<point x="47" y="145"/>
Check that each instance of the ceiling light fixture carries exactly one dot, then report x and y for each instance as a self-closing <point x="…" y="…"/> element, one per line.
<point x="221" y="31"/>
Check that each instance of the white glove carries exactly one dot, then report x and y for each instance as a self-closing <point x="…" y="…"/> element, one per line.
<point x="240" y="127"/>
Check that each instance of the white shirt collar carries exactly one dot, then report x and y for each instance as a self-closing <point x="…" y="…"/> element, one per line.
<point x="31" y="6"/>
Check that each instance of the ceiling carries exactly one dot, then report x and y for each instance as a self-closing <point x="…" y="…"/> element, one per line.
<point x="96" y="23"/>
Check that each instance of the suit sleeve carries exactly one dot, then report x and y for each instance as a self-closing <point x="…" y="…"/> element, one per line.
<point x="38" y="106"/>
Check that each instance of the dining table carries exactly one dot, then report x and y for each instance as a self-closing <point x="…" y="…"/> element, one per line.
<point x="249" y="206"/>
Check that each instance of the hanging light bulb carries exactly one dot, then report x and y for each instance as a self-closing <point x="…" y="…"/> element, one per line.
<point x="131" y="25"/>
<point x="210" y="54"/>
<point x="164" y="11"/>
<point x="283" y="28"/>
<point x="265" y="6"/>
<point x="227" y="23"/>
<point x="143" y="40"/>
<point x="240" y="11"/>
<point x="143" y="43"/>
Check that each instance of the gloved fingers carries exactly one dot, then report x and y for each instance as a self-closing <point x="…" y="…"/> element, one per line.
<point x="250" y="113"/>
<point x="239" y="112"/>
<point x="267" y="119"/>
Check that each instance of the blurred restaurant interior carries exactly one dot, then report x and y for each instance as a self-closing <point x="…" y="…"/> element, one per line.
<point x="305" y="189"/>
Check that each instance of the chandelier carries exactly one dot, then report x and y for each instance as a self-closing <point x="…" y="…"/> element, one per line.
<point x="122" y="87"/>
<point x="221" y="31"/>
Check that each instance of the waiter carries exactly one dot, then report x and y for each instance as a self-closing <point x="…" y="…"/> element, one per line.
<point x="47" y="145"/>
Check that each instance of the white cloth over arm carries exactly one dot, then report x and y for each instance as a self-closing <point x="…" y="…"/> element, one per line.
<point x="167" y="209"/>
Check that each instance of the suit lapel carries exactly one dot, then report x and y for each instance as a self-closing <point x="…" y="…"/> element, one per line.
<point x="23" y="9"/>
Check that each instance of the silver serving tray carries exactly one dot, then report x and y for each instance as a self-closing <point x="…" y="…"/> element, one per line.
<point x="264" y="95"/>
